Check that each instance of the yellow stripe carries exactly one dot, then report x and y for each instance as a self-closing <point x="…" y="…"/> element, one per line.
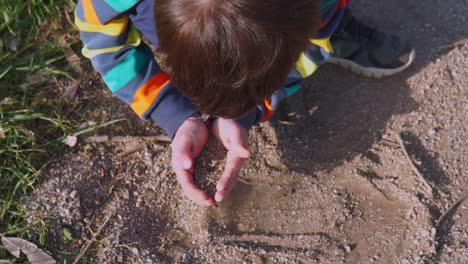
<point x="323" y="43"/>
<point x="133" y="40"/>
<point x="305" y="66"/>
<point x="112" y="28"/>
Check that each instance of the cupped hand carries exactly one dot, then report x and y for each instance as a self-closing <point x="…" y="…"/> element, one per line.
<point x="234" y="137"/>
<point x="189" y="141"/>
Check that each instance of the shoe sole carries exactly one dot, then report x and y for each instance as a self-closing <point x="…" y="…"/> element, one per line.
<point x="372" y="72"/>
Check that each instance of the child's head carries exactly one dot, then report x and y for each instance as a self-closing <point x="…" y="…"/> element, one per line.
<point x="228" y="55"/>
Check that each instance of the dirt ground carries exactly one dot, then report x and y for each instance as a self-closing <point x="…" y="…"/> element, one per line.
<point x="330" y="185"/>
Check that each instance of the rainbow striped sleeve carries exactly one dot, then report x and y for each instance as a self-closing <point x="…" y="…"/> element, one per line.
<point x="126" y="64"/>
<point x="318" y="53"/>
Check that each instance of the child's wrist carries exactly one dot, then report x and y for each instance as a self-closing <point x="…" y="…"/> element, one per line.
<point x="206" y="119"/>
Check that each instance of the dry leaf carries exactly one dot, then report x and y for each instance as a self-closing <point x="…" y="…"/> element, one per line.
<point x="11" y="247"/>
<point x="13" y="45"/>
<point x="35" y="80"/>
<point x="72" y="58"/>
<point x="27" y="133"/>
<point x="35" y="255"/>
<point x="70" y="91"/>
<point x="6" y="101"/>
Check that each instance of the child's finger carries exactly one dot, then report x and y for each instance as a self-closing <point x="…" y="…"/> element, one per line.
<point x="181" y="162"/>
<point x="181" y="156"/>
<point x="241" y="151"/>
<point x="237" y="142"/>
<point x="220" y="195"/>
<point x="191" y="190"/>
<point x="228" y="179"/>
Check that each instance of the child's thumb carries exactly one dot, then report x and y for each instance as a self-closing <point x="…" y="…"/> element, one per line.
<point x="186" y="163"/>
<point x="242" y="151"/>
<point x="181" y="159"/>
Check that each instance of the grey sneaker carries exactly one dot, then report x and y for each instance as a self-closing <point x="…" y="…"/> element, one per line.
<point x="369" y="52"/>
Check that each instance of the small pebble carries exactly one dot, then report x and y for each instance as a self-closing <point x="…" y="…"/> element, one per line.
<point x="73" y="194"/>
<point x="135" y="251"/>
<point x="347" y="248"/>
<point x="147" y="155"/>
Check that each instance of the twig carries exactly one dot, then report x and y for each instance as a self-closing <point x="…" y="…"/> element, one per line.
<point x="90" y="242"/>
<point x="373" y="184"/>
<point x="146" y="138"/>
<point x="73" y="108"/>
<point x="391" y="143"/>
<point x="415" y="169"/>
<point x="96" y="139"/>
<point x="131" y="151"/>
<point x="72" y="58"/>
<point x="455" y="44"/>
<point x="286" y="123"/>
<point x="313" y="110"/>
<point x="450" y="209"/>
<point x="120" y="139"/>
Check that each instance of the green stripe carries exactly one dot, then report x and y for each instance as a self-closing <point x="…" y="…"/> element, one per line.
<point x="121" y="5"/>
<point x="327" y="3"/>
<point x="127" y="70"/>
<point x="290" y="90"/>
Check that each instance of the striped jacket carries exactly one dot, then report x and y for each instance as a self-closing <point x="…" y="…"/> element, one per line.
<point x="112" y="33"/>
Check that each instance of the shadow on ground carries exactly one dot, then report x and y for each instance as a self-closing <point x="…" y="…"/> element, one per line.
<point x="351" y="112"/>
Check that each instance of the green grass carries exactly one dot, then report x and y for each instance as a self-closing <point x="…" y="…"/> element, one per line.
<point x="23" y="25"/>
<point x="32" y="125"/>
<point x="22" y="152"/>
<point x="25" y="145"/>
<point x="30" y="130"/>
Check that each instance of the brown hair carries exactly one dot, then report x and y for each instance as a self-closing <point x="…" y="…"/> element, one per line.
<point x="229" y="55"/>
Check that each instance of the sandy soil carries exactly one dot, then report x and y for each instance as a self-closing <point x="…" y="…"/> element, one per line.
<point x="330" y="185"/>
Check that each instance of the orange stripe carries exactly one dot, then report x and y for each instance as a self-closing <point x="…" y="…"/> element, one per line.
<point x="343" y="3"/>
<point x="90" y="13"/>
<point x="324" y="23"/>
<point x="268" y="110"/>
<point x="147" y="93"/>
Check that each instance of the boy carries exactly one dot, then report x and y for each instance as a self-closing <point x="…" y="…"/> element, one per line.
<point x="232" y="60"/>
